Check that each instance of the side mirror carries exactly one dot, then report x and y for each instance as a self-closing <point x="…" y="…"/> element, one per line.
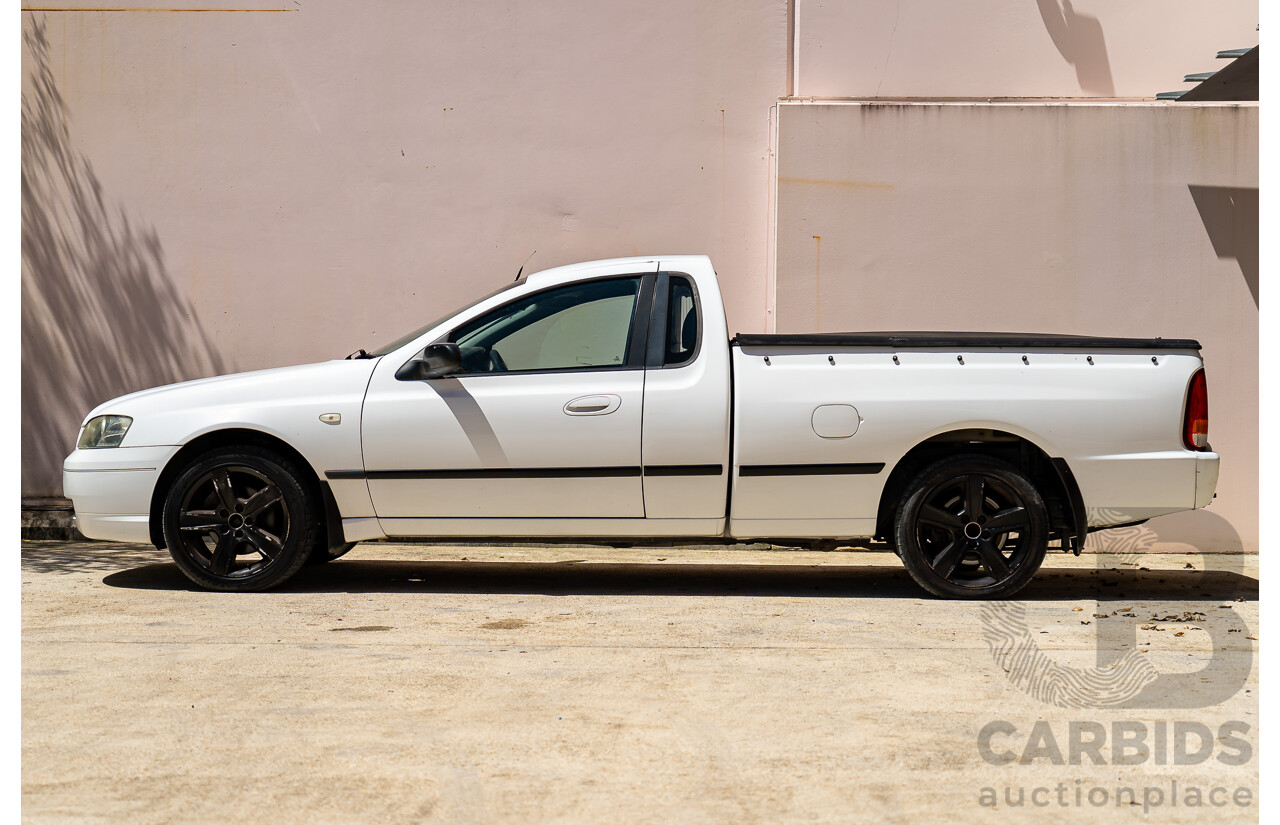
<point x="436" y="361"/>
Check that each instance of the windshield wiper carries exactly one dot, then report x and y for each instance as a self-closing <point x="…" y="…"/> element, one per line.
<point x="357" y="355"/>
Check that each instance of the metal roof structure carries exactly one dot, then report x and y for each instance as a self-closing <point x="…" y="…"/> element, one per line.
<point x="1238" y="80"/>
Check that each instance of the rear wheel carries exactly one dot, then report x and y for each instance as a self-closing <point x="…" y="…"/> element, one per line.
<point x="240" y="519"/>
<point x="972" y="527"/>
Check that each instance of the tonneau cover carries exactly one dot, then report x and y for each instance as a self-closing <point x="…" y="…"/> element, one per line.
<point x="966" y="340"/>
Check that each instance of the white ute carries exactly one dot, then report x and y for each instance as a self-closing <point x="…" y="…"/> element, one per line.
<point x="604" y="402"/>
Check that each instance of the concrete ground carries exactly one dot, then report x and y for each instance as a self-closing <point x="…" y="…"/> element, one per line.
<point x="410" y="684"/>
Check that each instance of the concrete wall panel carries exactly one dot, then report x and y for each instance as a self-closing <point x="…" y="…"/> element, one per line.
<point x="1092" y="218"/>
<point x="329" y="177"/>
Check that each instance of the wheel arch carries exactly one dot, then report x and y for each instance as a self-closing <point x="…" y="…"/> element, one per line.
<point x="1052" y="476"/>
<point x="238" y="437"/>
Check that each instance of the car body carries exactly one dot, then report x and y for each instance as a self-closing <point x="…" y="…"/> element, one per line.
<point x="605" y="401"/>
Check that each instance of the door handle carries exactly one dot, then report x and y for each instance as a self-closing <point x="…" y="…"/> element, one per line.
<point x="593" y="405"/>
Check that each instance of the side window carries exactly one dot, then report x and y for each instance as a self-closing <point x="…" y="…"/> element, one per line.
<point x="682" y="323"/>
<point x="580" y="325"/>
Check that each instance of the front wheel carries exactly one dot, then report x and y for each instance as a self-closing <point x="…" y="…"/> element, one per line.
<point x="972" y="527"/>
<point x="240" y="519"/>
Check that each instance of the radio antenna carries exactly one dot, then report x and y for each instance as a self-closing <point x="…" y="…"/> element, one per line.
<point x="520" y="271"/>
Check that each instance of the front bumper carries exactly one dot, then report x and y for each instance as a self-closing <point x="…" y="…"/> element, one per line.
<point x="111" y="490"/>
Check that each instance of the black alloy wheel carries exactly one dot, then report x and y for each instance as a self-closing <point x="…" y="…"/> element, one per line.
<point x="972" y="527"/>
<point x="240" y="519"/>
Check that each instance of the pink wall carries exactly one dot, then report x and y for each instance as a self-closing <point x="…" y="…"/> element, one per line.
<point x="327" y="178"/>
<point x="209" y="191"/>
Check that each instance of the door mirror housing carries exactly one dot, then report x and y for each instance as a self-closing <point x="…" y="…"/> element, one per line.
<point x="436" y="361"/>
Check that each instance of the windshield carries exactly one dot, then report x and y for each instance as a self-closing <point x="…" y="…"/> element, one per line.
<point x="400" y="342"/>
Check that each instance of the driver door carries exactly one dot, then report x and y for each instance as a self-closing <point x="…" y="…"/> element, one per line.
<point x="543" y="421"/>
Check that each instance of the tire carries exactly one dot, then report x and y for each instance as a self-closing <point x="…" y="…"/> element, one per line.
<point x="323" y="553"/>
<point x="241" y="519"/>
<point x="953" y="555"/>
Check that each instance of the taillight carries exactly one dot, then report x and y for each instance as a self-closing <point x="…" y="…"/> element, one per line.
<point x="1195" y="421"/>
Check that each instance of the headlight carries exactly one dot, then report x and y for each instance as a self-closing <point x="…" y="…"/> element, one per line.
<point x="104" y="431"/>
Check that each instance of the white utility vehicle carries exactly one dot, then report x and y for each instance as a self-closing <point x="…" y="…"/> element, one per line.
<point x="604" y="402"/>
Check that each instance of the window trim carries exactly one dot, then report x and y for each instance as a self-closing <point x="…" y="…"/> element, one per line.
<point x="636" y="349"/>
<point x="657" y="350"/>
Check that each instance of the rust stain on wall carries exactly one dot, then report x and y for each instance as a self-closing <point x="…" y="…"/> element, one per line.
<point x="723" y="156"/>
<point x="852" y="184"/>
<point x="143" y="9"/>
<point x="724" y="172"/>
<point x="817" y="283"/>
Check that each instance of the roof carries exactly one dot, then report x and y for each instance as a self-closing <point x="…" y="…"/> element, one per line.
<point x="641" y="263"/>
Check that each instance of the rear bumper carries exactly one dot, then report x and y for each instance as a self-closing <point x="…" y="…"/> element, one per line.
<point x="1120" y="489"/>
<point x="111" y="490"/>
<point x="1206" y="478"/>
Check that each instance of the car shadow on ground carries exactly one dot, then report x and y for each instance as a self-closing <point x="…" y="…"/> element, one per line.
<point x="563" y="578"/>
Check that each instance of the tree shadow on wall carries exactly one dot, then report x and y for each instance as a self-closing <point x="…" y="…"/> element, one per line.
<point x="100" y="315"/>
<point x="1080" y="40"/>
